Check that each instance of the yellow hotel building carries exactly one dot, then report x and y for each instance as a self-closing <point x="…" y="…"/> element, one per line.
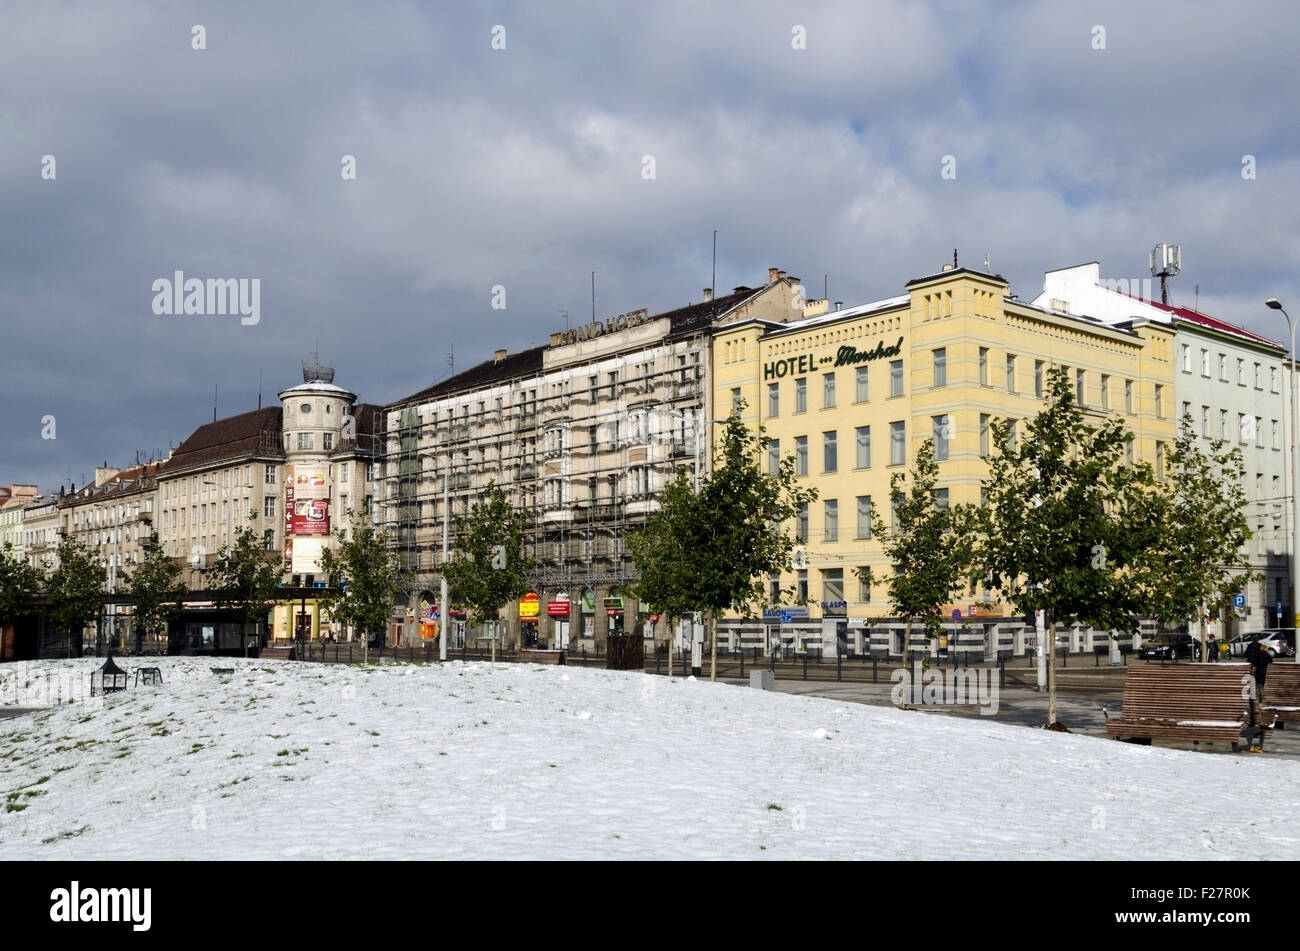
<point x="852" y="394"/>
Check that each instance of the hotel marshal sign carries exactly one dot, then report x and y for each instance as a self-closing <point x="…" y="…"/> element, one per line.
<point x="844" y="357"/>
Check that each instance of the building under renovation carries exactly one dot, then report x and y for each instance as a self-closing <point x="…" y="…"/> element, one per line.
<point x="582" y="434"/>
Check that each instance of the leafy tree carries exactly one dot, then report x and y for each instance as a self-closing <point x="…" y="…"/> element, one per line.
<point x="246" y="576"/>
<point x="931" y="548"/>
<point x="363" y="578"/>
<point x="1068" y="521"/>
<point x="1201" y="555"/>
<point x="20" y="583"/>
<point x="156" y="588"/>
<point x="487" y="567"/>
<point x="731" y="535"/>
<point x="75" y="588"/>
<point x="659" y="552"/>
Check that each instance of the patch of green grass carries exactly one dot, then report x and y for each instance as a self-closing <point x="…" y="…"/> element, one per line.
<point x="64" y="835"/>
<point x="373" y="732"/>
<point x="774" y="807"/>
<point x="14" y="807"/>
<point x="194" y="748"/>
<point x="123" y="754"/>
<point x="282" y="753"/>
<point x="237" y="755"/>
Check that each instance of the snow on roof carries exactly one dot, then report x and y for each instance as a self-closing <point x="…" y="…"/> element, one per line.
<point x="1213" y="323"/>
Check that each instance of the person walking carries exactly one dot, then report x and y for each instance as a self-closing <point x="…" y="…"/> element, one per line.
<point x="1212" y="650"/>
<point x="1259" y="658"/>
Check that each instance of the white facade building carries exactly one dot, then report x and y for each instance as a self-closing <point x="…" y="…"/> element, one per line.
<point x="1230" y="382"/>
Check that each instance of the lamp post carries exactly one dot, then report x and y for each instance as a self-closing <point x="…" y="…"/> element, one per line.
<point x="1276" y="304"/>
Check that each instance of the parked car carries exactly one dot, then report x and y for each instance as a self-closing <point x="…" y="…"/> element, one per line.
<point x="1279" y="641"/>
<point x="1171" y="647"/>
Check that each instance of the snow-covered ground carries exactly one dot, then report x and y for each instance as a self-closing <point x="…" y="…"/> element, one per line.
<point x="285" y="760"/>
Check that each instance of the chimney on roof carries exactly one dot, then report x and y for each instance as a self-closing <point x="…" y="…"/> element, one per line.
<point x="499" y="355"/>
<point x="104" y="473"/>
<point x="708" y="294"/>
<point x="839" y="304"/>
<point x="773" y="275"/>
<point x="780" y="275"/>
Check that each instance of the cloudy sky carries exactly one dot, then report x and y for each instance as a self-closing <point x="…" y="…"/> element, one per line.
<point x="526" y="167"/>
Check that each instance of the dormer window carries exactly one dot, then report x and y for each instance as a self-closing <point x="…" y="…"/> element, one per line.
<point x="305" y="408"/>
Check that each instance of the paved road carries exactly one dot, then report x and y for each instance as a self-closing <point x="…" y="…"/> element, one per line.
<point x="1079" y="709"/>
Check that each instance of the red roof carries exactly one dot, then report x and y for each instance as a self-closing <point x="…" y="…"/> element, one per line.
<point x="1196" y="317"/>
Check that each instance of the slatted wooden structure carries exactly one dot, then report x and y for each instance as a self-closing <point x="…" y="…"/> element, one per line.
<point x="1282" y="691"/>
<point x="1201" y="702"/>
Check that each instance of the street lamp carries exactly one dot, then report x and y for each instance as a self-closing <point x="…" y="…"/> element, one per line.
<point x="1276" y="304"/>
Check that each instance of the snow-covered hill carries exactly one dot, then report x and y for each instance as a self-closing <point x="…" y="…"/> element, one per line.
<point x="285" y="760"/>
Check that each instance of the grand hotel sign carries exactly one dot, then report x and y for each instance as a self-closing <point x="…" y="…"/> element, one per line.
<point x="609" y="325"/>
<point x="844" y="357"/>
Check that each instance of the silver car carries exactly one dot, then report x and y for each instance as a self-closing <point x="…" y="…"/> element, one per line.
<point x="1279" y="641"/>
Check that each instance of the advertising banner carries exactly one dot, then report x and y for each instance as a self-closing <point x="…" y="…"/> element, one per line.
<point x="311" y="517"/>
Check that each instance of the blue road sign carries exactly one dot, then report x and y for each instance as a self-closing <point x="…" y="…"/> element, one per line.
<point x="786" y="618"/>
<point x="1238" y="600"/>
<point x="956" y="614"/>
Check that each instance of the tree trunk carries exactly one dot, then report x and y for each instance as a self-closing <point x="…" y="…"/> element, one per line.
<point x="713" y="644"/>
<point x="1051" y="669"/>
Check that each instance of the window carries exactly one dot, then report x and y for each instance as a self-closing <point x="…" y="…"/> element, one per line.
<point x="833" y="584"/>
<point x="1187" y="411"/>
<point x="1223" y="424"/>
<point x="1079" y="393"/>
<point x="940" y="366"/>
<point x="268" y="506"/>
<point x="1205" y="421"/>
<point x="830" y="451"/>
<point x="1205" y="363"/>
<point x="860" y="384"/>
<point x="773" y="457"/>
<point x="1160" y="401"/>
<point x="801" y="523"/>
<point x="735" y="400"/>
<point x="1241" y="372"/>
<point x="828" y="390"/>
<point x="268" y="475"/>
<point x="832" y="520"/>
<point x="1011" y="373"/>
<point x="801" y="455"/>
<point x="897" y="443"/>
<point x="1038" y="378"/>
<point x="894" y="527"/>
<point x="1259" y="432"/>
<point x="1128" y="396"/>
<point x="1105" y="392"/>
<point x="801" y="395"/>
<point x="372" y="471"/>
<point x="940" y="426"/>
<point x="268" y="539"/>
<point x="1272" y="379"/>
<point x="1187" y="358"/>
<point x="773" y="399"/>
<point x="864" y="516"/>
<point x="305" y="408"/>
<point x="895" y="377"/>
<point x="368" y="505"/>
<point x="774" y="588"/>
<point x="1276" y="444"/>
<point x="984" y="435"/>
<point x="306" y="440"/>
<point x="1160" y="460"/>
<point x="801" y="586"/>
<point x="941" y="499"/>
<point x="984" y="366"/>
<point x="862" y="445"/>
<point x="1128" y="451"/>
<point x="328" y="439"/>
<point x="1223" y="368"/>
<point x="1011" y="433"/>
<point x="864" y="590"/>
<point x="1259" y="377"/>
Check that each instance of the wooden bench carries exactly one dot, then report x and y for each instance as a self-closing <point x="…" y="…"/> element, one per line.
<point x="1282" y="691"/>
<point x="1198" y="702"/>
